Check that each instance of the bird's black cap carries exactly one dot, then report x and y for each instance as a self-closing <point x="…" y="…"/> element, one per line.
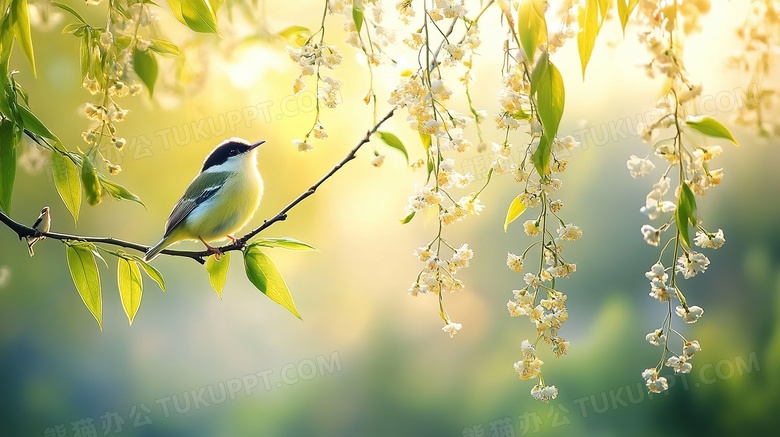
<point x="228" y="148"/>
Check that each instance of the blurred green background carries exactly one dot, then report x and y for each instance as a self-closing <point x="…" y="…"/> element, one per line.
<point x="367" y="359"/>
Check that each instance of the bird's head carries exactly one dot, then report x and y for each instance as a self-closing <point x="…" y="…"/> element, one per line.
<point x="232" y="154"/>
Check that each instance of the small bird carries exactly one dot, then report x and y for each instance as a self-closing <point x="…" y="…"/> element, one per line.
<point x="219" y="201"/>
<point x="41" y="225"/>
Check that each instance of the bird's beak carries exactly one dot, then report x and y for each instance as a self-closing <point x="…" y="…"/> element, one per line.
<point x="256" y="144"/>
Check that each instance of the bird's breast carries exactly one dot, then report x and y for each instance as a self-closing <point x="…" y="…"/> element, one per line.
<point x="229" y="209"/>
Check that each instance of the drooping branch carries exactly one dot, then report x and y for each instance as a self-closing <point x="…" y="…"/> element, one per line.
<point x="200" y="256"/>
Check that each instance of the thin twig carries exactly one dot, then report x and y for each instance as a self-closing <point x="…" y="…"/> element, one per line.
<point x="199" y="256"/>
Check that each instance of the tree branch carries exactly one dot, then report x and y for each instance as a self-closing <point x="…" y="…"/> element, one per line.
<point x="199" y="256"/>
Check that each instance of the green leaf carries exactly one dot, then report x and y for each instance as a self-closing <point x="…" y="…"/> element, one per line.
<point x="117" y="191"/>
<point x="217" y="270"/>
<point x="198" y="15"/>
<point x="531" y="26"/>
<point x="76" y="29"/>
<point x="711" y="127"/>
<point x="393" y="141"/>
<point x="588" y="19"/>
<point x="357" y="15"/>
<point x="547" y="88"/>
<point x="8" y="142"/>
<point x="34" y="125"/>
<point x="542" y="155"/>
<point x="515" y="209"/>
<point x="70" y="10"/>
<point x="145" y="66"/>
<point x="625" y="8"/>
<point x="150" y="270"/>
<point x="165" y="47"/>
<point x="686" y="207"/>
<point x="266" y="277"/>
<point x="297" y="34"/>
<point x="84" y="50"/>
<point x="408" y="218"/>
<point x="282" y="243"/>
<point x="86" y="278"/>
<point x="20" y="18"/>
<point x="90" y="181"/>
<point x="66" y="180"/>
<point x="131" y="287"/>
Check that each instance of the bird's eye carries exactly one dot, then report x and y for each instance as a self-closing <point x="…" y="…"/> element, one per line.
<point x="233" y="152"/>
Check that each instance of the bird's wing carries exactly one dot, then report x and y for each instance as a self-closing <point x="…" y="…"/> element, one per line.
<point x="37" y="222"/>
<point x="202" y="188"/>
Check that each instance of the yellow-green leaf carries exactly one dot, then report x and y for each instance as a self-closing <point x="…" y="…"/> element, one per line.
<point x="515" y="209"/>
<point x="165" y="47"/>
<point x="131" y="287"/>
<point x="297" y="34"/>
<point x="90" y="181"/>
<point x="393" y="141"/>
<point x="145" y="66"/>
<point x="426" y="140"/>
<point x="117" y="191"/>
<point x="21" y="22"/>
<point x="531" y="26"/>
<point x="150" y="271"/>
<point x="711" y="127"/>
<point x="217" y="270"/>
<point x="357" y="15"/>
<point x="266" y="277"/>
<point x="604" y="6"/>
<point x="588" y="19"/>
<point x="8" y="142"/>
<point x="625" y="8"/>
<point x="282" y="243"/>
<point x="408" y="218"/>
<point x="66" y="180"/>
<point x="198" y="15"/>
<point x="84" y="272"/>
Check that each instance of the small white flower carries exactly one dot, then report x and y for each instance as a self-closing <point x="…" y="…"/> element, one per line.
<point x="679" y="364"/>
<point x="514" y="262"/>
<point x="569" y="232"/>
<point x="712" y="241"/>
<point x="302" y="146"/>
<point x="544" y="393"/>
<point x="657" y="384"/>
<point x="527" y="348"/>
<point x="651" y="235"/>
<point x="692" y="264"/>
<point x="691" y="315"/>
<point x="690" y="348"/>
<point x="452" y="329"/>
<point x="639" y="166"/>
<point x="378" y="160"/>
<point x="531" y="227"/>
<point x="656" y="337"/>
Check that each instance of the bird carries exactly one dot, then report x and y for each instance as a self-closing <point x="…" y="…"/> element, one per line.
<point x="219" y="201"/>
<point x="41" y="225"/>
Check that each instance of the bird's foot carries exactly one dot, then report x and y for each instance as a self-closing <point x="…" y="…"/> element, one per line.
<point x="232" y="238"/>
<point x="217" y="253"/>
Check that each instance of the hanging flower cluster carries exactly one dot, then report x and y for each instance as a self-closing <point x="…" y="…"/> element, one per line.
<point x="112" y="59"/>
<point x="690" y="162"/>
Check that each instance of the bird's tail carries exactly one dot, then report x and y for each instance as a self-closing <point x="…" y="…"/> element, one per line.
<point x="157" y="248"/>
<point x="30" y="242"/>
